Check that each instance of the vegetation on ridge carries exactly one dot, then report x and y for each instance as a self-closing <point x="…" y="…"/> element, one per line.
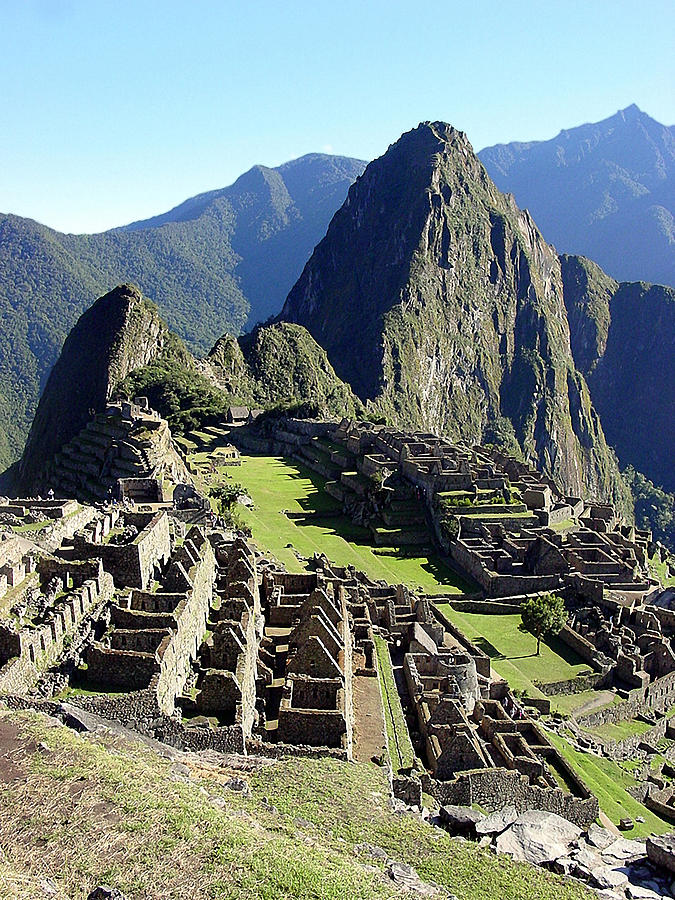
<point x="214" y="264"/>
<point x="654" y="507"/>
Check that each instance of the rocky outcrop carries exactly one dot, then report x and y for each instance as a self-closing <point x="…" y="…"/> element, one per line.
<point x="281" y="364"/>
<point x="623" y="340"/>
<point x="615" y="866"/>
<point x="438" y="301"/>
<point x="537" y="837"/>
<point x="121" y="332"/>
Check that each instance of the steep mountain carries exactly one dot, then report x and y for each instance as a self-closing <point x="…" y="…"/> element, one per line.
<point x="603" y="190"/>
<point x="276" y="366"/>
<point x="438" y="300"/>
<point x="121" y="347"/>
<point x="623" y="340"/>
<point x="282" y="364"/>
<point x="121" y="332"/>
<point x="217" y="262"/>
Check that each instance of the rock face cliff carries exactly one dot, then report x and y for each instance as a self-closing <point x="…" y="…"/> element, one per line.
<point x="623" y="340"/>
<point x="438" y="300"/>
<point x="121" y="332"/>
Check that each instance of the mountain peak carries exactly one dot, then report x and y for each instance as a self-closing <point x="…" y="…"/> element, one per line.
<point x="453" y="293"/>
<point x="602" y="190"/>
<point x="119" y="333"/>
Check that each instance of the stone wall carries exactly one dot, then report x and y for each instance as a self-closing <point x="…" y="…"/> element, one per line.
<point x="31" y="650"/>
<point x="582" y="647"/>
<point x="120" y="669"/>
<point x="323" y="728"/>
<point x="658" y="696"/>
<point x="159" y="656"/>
<point x="494" y="789"/>
<point x="133" y="564"/>
<point x="184" y="642"/>
<point x="482" y="660"/>
<point x="139" y="710"/>
<point x="575" y="685"/>
<point x="279" y="751"/>
<point x="485" y="606"/>
<point x="51" y="537"/>
<point x="498" y="584"/>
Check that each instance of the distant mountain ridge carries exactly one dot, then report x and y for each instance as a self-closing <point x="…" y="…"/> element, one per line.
<point x="219" y="262"/>
<point x="604" y="190"/>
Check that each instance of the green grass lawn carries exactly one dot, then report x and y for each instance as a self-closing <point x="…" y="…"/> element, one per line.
<point x="315" y="523"/>
<point x="660" y="570"/>
<point x="565" y="525"/>
<point x="400" y="748"/>
<point x="566" y="704"/>
<point x="31" y="526"/>
<point x="609" y="782"/>
<point x="513" y="653"/>
<point x="621" y="730"/>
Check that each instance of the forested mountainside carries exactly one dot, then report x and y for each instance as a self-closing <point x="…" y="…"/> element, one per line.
<point x="219" y="262"/>
<point x="623" y="340"/>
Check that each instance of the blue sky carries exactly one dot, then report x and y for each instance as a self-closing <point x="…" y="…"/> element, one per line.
<point x="115" y="111"/>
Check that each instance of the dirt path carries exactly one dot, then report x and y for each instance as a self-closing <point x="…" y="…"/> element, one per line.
<point x="607" y="823"/>
<point x="604" y="698"/>
<point x="369" y="737"/>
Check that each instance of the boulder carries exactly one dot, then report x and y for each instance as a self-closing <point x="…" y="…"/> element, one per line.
<point x="661" y="850"/>
<point x="606" y="878"/>
<point x="407" y="879"/>
<point x="599" y="837"/>
<point x="639" y="892"/>
<point x="538" y="837"/>
<point x="460" y="819"/>
<point x="622" y="850"/>
<point x="498" y="821"/>
<point x="239" y="785"/>
<point x="371" y="850"/>
<point x="104" y="892"/>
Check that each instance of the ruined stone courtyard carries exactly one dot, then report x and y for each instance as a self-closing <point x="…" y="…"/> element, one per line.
<point x="145" y="610"/>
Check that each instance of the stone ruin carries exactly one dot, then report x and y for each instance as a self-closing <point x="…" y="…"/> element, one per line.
<point x="128" y="441"/>
<point x="186" y="632"/>
<point x="512" y="531"/>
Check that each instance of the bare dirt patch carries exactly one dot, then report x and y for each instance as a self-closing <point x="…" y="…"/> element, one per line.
<point x="15" y="750"/>
<point x="369" y="737"/>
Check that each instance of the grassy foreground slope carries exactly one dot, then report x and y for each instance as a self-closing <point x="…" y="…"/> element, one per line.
<point x="317" y="525"/>
<point x="84" y="810"/>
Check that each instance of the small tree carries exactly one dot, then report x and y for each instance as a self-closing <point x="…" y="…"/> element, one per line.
<point x="227" y="497"/>
<point x="542" y="615"/>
